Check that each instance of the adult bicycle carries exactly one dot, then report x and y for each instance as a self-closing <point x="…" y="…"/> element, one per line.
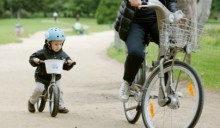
<point x="170" y="93"/>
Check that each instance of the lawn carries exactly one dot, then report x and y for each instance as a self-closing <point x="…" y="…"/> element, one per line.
<point x="30" y="26"/>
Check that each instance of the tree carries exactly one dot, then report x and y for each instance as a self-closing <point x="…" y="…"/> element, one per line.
<point x="215" y="13"/>
<point x="1" y="7"/>
<point x="198" y="11"/>
<point x="86" y="8"/>
<point x="107" y="11"/>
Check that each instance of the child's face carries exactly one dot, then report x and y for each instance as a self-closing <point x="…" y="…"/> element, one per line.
<point x="56" y="45"/>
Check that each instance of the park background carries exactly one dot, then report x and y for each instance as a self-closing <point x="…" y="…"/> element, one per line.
<point x="98" y="15"/>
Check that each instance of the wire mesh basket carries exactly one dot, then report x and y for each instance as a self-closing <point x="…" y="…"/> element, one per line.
<point x="180" y="34"/>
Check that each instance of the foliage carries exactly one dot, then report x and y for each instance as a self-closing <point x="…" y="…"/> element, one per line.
<point x="215" y="10"/>
<point x="69" y="8"/>
<point x="85" y="8"/>
<point x="1" y="7"/>
<point x="107" y="11"/>
<point x="215" y="5"/>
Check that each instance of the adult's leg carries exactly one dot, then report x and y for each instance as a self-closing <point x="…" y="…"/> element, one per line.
<point x="135" y="46"/>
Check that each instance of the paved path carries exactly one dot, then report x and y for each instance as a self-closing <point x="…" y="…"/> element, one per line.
<point x="90" y="88"/>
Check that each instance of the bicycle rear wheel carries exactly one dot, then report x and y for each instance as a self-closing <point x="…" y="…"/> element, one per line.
<point x="187" y="95"/>
<point x="42" y="101"/>
<point x="132" y="108"/>
<point x="54" y="101"/>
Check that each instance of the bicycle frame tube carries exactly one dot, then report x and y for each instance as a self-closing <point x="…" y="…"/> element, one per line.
<point x="162" y="13"/>
<point x="52" y="83"/>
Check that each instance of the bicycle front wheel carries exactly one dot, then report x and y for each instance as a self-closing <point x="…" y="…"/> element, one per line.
<point x="54" y="101"/>
<point x="187" y="95"/>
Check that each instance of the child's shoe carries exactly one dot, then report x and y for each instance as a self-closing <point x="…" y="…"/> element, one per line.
<point x="31" y="107"/>
<point x="63" y="110"/>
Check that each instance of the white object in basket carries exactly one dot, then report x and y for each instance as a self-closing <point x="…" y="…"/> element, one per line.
<point x="54" y="66"/>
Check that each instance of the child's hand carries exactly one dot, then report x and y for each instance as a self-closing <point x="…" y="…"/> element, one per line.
<point x="36" y="60"/>
<point x="70" y="62"/>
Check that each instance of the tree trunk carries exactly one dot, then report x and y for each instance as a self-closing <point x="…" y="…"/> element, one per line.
<point x="197" y="12"/>
<point x="204" y="9"/>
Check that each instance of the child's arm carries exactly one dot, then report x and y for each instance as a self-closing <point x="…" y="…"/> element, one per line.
<point x="34" y="59"/>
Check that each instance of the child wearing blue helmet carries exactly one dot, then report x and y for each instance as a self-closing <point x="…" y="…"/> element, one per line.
<point x="54" y="39"/>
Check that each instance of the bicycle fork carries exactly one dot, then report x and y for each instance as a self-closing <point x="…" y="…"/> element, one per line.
<point x="52" y="83"/>
<point x="162" y="96"/>
<point x="166" y="86"/>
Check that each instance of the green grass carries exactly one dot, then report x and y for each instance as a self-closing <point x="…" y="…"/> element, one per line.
<point x="8" y="35"/>
<point x="206" y="60"/>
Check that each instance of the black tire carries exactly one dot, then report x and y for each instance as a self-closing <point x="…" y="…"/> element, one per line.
<point x="54" y="101"/>
<point x="133" y="115"/>
<point x="41" y="103"/>
<point x="188" y="90"/>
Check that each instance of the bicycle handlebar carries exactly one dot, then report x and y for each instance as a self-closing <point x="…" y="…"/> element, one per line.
<point x="162" y="12"/>
<point x="74" y="63"/>
<point x="41" y="61"/>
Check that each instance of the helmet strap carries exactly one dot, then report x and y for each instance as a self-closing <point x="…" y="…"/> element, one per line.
<point x="49" y="45"/>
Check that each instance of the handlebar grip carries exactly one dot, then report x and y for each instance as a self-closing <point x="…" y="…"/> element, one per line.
<point x="143" y="5"/>
<point x="74" y="63"/>
<point x="41" y="61"/>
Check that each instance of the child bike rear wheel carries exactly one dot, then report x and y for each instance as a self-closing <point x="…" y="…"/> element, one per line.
<point x="185" y="101"/>
<point x="54" y="101"/>
<point x="42" y="101"/>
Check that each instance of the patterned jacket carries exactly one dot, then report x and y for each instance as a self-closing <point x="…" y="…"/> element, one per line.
<point x="127" y="12"/>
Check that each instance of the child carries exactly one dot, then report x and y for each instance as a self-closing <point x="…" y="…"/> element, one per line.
<point x="54" y="40"/>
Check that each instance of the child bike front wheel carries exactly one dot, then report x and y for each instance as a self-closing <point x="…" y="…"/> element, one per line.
<point x="54" y="100"/>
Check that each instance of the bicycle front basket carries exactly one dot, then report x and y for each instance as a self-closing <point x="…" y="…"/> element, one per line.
<point x="180" y="34"/>
<point x="54" y="66"/>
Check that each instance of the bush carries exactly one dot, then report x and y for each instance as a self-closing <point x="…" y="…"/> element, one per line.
<point x="24" y="14"/>
<point x="107" y="11"/>
<point x="6" y="14"/>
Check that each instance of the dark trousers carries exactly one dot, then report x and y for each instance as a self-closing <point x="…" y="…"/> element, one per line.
<point x="135" y="43"/>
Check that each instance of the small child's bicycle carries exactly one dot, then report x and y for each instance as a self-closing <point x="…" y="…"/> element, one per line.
<point x="169" y="94"/>
<point x="51" y="93"/>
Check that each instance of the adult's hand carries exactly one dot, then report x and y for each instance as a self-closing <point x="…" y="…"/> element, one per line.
<point x="135" y="3"/>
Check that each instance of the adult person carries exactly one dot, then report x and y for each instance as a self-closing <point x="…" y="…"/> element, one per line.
<point x="133" y="25"/>
<point x="55" y="15"/>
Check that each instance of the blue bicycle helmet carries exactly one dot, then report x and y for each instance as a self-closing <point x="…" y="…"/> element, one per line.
<point x="54" y="34"/>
